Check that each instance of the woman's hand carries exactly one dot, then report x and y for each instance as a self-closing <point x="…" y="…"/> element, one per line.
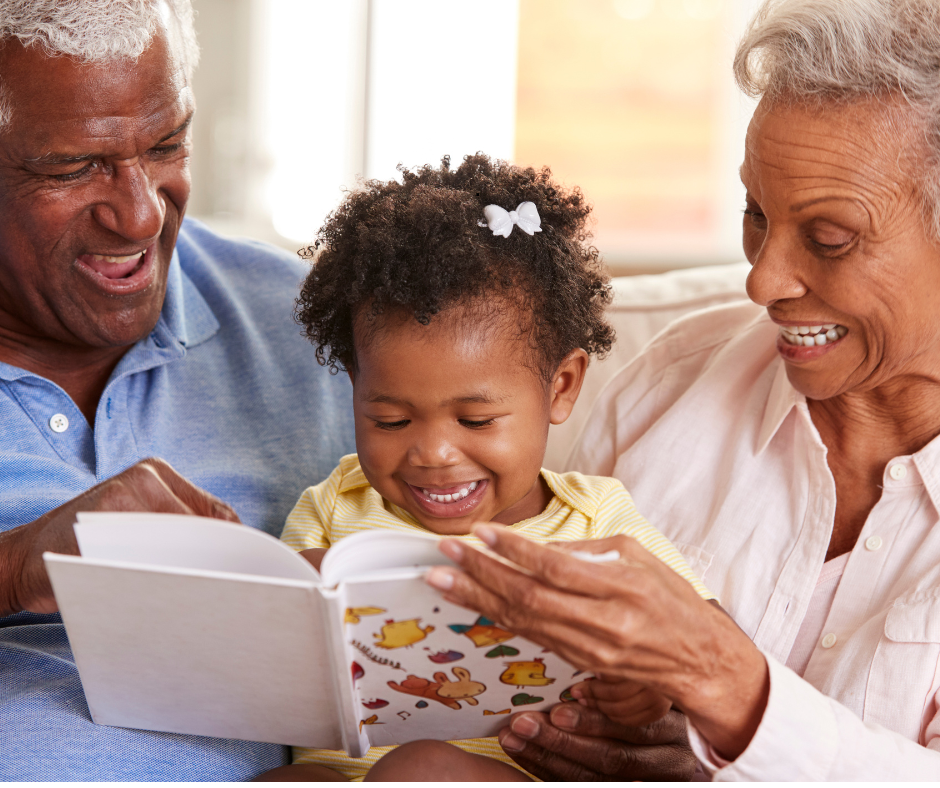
<point x="633" y="619"/>
<point x="577" y="743"/>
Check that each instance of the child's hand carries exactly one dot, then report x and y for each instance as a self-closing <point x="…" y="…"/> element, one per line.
<point x="314" y="555"/>
<point x="622" y="700"/>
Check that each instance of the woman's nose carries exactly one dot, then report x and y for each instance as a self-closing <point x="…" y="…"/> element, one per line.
<point x="776" y="273"/>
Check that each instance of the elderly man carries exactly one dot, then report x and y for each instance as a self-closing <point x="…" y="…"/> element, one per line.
<point x="127" y="333"/>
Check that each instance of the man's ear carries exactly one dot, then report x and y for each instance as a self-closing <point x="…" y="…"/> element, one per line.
<point x="566" y="385"/>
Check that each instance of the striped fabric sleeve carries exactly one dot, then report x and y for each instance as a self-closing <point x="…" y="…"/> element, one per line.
<point x="617" y="514"/>
<point x="308" y="524"/>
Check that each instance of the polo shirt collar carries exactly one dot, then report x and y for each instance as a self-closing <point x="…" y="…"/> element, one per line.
<point x="186" y="315"/>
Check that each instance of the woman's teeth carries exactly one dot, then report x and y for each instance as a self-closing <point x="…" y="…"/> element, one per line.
<point x="813" y="335"/>
<point x="462" y="493"/>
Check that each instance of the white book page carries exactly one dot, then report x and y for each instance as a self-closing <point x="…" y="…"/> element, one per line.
<point x="187" y="542"/>
<point x="369" y="552"/>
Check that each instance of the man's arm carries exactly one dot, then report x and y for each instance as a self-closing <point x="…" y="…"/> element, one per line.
<point x="149" y="486"/>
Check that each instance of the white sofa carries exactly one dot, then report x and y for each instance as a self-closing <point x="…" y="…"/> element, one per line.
<point x="642" y="307"/>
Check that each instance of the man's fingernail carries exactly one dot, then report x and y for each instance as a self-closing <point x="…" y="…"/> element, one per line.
<point x="525" y="727"/>
<point x="452" y="549"/>
<point x="566" y="716"/>
<point x="509" y="742"/>
<point x="442" y="579"/>
<point x="486" y="534"/>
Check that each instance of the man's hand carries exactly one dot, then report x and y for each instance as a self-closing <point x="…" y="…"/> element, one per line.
<point x="150" y="486"/>
<point x="578" y="743"/>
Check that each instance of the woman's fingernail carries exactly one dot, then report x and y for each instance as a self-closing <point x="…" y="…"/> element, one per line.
<point x="509" y="742"/>
<point x="452" y="549"/>
<point x="440" y="578"/>
<point x="486" y="534"/>
<point x="525" y="727"/>
<point x="566" y="716"/>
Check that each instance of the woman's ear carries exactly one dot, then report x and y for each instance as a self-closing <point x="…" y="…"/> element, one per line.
<point x="566" y="385"/>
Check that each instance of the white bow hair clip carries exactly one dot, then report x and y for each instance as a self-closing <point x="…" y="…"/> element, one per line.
<point x="501" y="221"/>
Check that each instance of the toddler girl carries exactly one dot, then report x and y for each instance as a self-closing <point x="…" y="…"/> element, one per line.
<point x="464" y="305"/>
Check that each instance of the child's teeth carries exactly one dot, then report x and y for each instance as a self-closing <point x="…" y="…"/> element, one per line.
<point x="451" y="497"/>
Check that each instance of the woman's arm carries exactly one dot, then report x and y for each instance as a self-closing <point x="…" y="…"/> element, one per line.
<point x="632" y="618"/>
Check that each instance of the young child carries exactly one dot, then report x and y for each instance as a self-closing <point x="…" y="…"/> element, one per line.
<point x="464" y="305"/>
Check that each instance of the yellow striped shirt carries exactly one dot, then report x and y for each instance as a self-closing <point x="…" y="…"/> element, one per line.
<point x="582" y="507"/>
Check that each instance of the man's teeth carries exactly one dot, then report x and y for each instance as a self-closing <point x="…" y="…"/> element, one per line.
<point x="104" y="258"/>
<point x="462" y="493"/>
<point x="813" y="335"/>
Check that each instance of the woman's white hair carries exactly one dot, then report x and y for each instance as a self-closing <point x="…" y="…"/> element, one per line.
<point x="93" y="30"/>
<point x="838" y="51"/>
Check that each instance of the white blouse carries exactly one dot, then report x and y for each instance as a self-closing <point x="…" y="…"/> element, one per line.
<point x="720" y="453"/>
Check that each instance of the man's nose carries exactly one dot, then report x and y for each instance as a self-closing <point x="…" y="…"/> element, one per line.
<point x="133" y="207"/>
<point x="433" y="450"/>
<point x="776" y="272"/>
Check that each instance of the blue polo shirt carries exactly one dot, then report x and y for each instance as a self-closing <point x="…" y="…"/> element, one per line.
<point x="226" y="390"/>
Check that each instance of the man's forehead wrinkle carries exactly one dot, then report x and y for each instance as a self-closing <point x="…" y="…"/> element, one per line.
<point x="68" y="140"/>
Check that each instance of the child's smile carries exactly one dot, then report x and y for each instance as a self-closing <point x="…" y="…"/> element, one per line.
<point x="451" y="420"/>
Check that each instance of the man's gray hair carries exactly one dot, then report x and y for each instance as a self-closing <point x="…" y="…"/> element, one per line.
<point x="839" y="51"/>
<point x="92" y="31"/>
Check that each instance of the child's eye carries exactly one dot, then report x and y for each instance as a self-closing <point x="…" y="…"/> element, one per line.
<point x="392" y="425"/>
<point x="476" y="424"/>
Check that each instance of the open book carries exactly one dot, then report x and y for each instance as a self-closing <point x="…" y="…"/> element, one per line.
<point x="192" y="625"/>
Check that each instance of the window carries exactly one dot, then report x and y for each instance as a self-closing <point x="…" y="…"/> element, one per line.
<point x="632" y="100"/>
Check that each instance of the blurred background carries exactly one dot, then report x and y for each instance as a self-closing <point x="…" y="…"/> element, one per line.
<point x="632" y="100"/>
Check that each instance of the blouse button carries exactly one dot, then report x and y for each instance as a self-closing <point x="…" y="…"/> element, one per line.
<point x="873" y="543"/>
<point x="897" y="472"/>
<point x="830" y="640"/>
<point x="59" y="422"/>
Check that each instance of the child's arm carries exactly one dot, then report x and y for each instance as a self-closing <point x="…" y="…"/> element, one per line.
<point x="624" y="701"/>
<point x="315" y="556"/>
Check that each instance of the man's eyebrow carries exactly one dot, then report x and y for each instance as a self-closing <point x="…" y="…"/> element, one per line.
<point x="55" y="158"/>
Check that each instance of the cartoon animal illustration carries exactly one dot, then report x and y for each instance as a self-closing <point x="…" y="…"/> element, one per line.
<point x="526" y="674"/>
<point x="488" y="713"/>
<point x="442" y="689"/>
<point x="483" y="632"/>
<point x="354" y="614"/>
<point x="375" y="703"/>
<point x="373" y="720"/>
<point x="462" y="689"/>
<point x="396" y="634"/>
<point x="442" y="657"/>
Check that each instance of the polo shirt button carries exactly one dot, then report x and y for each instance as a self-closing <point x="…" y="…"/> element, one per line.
<point x="873" y="543"/>
<point x="897" y="472"/>
<point x="829" y="641"/>
<point x="59" y="423"/>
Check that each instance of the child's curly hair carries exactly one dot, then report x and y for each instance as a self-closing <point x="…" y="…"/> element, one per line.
<point x="418" y="246"/>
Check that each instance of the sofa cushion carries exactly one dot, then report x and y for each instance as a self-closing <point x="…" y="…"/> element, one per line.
<point x="642" y="307"/>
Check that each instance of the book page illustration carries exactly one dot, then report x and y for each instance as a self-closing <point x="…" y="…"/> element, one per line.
<point x="425" y="668"/>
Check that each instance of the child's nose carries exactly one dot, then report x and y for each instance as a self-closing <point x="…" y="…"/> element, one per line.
<point x="433" y="451"/>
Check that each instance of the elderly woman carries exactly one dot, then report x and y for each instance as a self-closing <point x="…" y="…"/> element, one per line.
<point x="789" y="448"/>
